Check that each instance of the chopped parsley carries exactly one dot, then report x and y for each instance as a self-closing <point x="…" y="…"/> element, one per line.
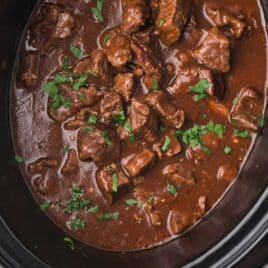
<point x="166" y="144"/>
<point x="235" y="100"/>
<point x="129" y="130"/>
<point x="19" y="159"/>
<point x="106" y="138"/>
<point x="93" y="210"/>
<point x="69" y="241"/>
<point x="92" y="73"/>
<point x="115" y="182"/>
<point x="77" y="223"/>
<point x="162" y="22"/>
<point x="218" y="129"/>
<point x="172" y="189"/>
<point x="227" y="149"/>
<point x="65" y="65"/>
<point x="134" y="202"/>
<point x="241" y="134"/>
<point x="261" y="121"/>
<point x="81" y="82"/>
<point x="82" y="97"/>
<point x="107" y="37"/>
<point x="120" y="118"/>
<point x="108" y="216"/>
<point x="150" y="199"/>
<point x="77" y="52"/>
<point x="155" y="85"/>
<point x="200" y="88"/>
<point x="45" y="206"/>
<point x="97" y="11"/>
<point x="88" y="129"/>
<point x="66" y="149"/>
<point x="92" y="119"/>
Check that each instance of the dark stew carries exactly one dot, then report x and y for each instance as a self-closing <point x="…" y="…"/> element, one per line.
<point x="131" y="118"/>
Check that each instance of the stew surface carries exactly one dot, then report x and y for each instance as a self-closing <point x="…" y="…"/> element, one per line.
<point x="131" y="118"/>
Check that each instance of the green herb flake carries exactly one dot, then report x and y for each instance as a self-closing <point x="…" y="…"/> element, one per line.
<point x="235" y="100"/>
<point x="45" y="206"/>
<point x="108" y="216"/>
<point x="82" y="97"/>
<point x="241" y="134"/>
<point x="172" y="189"/>
<point x="166" y="144"/>
<point x="77" y="223"/>
<point x="129" y="130"/>
<point x="150" y="199"/>
<point x="218" y="129"/>
<point x="107" y="37"/>
<point x="106" y="138"/>
<point x="201" y="89"/>
<point x="134" y="202"/>
<point x="66" y="149"/>
<point x="97" y="11"/>
<point x="155" y="85"/>
<point x="88" y="129"/>
<point x="92" y="73"/>
<point x="114" y="182"/>
<point x="261" y="121"/>
<point x="77" y="52"/>
<point x="65" y="65"/>
<point x="92" y="119"/>
<point x="227" y="149"/>
<point x="120" y="118"/>
<point x="93" y="210"/>
<point x="61" y="78"/>
<point x="19" y="159"/>
<point x="162" y="23"/>
<point x="81" y="82"/>
<point x="69" y="242"/>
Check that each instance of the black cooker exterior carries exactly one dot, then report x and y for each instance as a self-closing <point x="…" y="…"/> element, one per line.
<point x="25" y="232"/>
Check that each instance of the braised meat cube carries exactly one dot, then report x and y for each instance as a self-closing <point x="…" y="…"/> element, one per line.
<point x="178" y="174"/>
<point x="171" y="19"/>
<point x="71" y="164"/>
<point x="117" y="47"/>
<point x="111" y="105"/>
<point x="248" y="109"/>
<point x="218" y="108"/>
<point x="214" y="51"/>
<point x="227" y="173"/>
<point x="42" y="164"/>
<point x="124" y="85"/>
<point x="52" y="22"/>
<point x="135" y="13"/>
<point x="29" y="73"/>
<point x="142" y="120"/>
<point x="139" y="162"/>
<point x="191" y="75"/>
<point x="112" y="183"/>
<point x="46" y="185"/>
<point x="171" y="116"/>
<point x="98" y="143"/>
<point x="96" y="67"/>
<point x="220" y="18"/>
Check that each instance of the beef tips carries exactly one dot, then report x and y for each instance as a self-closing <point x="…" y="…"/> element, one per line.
<point x="124" y="85"/>
<point x="53" y="22"/>
<point x="98" y="143"/>
<point x="177" y="174"/>
<point x="111" y="105"/>
<point x="71" y="164"/>
<point x="42" y="164"/>
<point x="117" y="47"/>
<point x="191" y="75"/>
<point x="96" y="67"/>
<point x="171" y="19"/>
<point x="46" y="186"/>
<point x="218" y="108"/>
<point x="248" y="109"/>
<point x="171" y="116"/>
<point x="142" y="120"/>
<point x="214" y="51"/>
<point x="220" y="18"/>
<point x="139" y="162"/>
<point x="227" y="173"/>
<point x="135" y="13"/>
<point x="112" y="183"/>
<point x="29" y="72"/>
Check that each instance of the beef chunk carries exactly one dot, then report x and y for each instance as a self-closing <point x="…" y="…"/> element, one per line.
<point x="90" y="97"/>
<point x="97" y="65"/>
<point x="71" y="163"/>
<point x="248" y="109"/>
<point x="142" y="120"/>
<point x="124" y="84"/>
<point x="214" y="51"/>
<point x="135" y="13"/>
<point x="111" y="105"/>
<point x="105" y="183"/>
<point x="42" y="164"/>
<point x="178" y="174"/>
<point x="46" y="185"/>
<point x="220" y="18"/>
<point x="171" y="19"/>
<point x="218" y="108"/>
<point x="171" y="116"/>
<point x="52" y="22"/>
<point x="139" y="162"/>
<point x="191" y="75"/>
<point x="98" y="143"/>
<point x="29" y="69"/>
<point x="227" y="173"/>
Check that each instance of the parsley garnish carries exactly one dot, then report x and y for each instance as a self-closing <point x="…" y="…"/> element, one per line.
<point x="120" y="118"/>
<point x="162" y="22"/>
<point x="107" y="37"/>
<point x="81" y="82"/>
<point x="92" y="73"/>
<point x="218" y="129"/>
<point x="108" y="216"/>
<point x="106" y="138"/>
<point x="93" y="210"/>
<point x="261" y="121"/>
<point x="115" y="182"/>
<point x="92" y="119"/>
<point x="69" y="241"/>
<point x="88" y="129"/>
<point x="77" y="52"/>
<point x="45" y="206"/>
<point x="166" y="144"/>
<point x="155" y="85"/>
<point x="82" y="97"/>
<point x="97" y="11"/>
<point x="134" y="202"/>
<point x="77" y="223"/>
<point x="150" y="199"/>
<point x="19" y="159"/>
<point x="66" y="149"/>
<point x="241" y="134"/>
<point x="235" y="100"/>
<point x="227" y="149"/>
<point x="172" y="189"/>
<point x="65" y="65"/>
<point x="200" y="88"/>
<point x="129" y="130"/>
